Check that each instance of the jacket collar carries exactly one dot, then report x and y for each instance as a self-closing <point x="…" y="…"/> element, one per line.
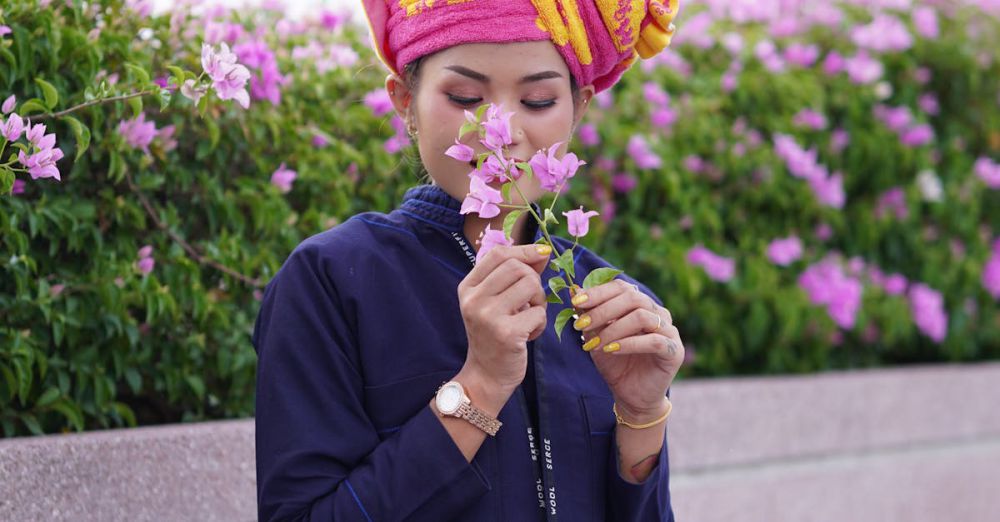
<point x="433" y="204"/>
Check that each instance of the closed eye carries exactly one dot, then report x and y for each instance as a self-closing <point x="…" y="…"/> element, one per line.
<point x="538" y="105"/>
<point x="464" y="102"/>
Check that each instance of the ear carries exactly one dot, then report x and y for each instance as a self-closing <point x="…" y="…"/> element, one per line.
<point x="399" y="94"/>
<point x="583" y="103"/>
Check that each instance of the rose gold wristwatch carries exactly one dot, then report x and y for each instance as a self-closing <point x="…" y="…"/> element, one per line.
<point x="452" y="400"/>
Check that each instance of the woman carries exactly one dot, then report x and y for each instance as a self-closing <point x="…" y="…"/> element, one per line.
<point x="398" y="378"/>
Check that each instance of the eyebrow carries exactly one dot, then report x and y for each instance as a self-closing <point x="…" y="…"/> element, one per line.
<point x="478" y="76"/>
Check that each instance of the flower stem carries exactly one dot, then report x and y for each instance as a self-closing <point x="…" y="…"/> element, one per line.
<point x="541" y="223"/>
<point x="90" y="103"/>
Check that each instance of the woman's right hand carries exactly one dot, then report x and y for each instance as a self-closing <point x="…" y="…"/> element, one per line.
<point x="503" y="306"/>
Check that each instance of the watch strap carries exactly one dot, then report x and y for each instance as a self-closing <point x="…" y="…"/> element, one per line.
<point x="478" y="418"/>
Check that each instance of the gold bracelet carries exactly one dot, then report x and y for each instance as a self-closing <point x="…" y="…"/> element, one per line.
<point x="620" y="420"/>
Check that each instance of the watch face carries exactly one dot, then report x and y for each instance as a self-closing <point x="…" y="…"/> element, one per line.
<point x="449" y="399"/>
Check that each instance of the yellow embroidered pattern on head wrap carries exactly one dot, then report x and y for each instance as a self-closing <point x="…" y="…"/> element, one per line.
<point x="561" y="19"/>
<point x="415" y="7"/>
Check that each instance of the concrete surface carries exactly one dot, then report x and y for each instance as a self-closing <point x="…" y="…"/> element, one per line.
<point x="911" y="444"/>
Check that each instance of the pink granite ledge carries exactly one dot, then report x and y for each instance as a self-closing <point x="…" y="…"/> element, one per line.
<point x="740" y="421"/>
<point x="198" y="472"/>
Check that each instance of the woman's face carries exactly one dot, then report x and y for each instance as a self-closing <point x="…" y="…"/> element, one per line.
<point x="529" y="78"/>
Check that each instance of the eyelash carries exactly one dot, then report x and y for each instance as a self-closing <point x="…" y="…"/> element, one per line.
<point x="532" y="105"/>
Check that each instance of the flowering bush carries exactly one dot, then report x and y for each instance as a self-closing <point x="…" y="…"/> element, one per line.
<point x="810" y="187"/>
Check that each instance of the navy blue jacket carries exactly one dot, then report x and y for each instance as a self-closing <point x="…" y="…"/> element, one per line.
<point x="355" y="334"/>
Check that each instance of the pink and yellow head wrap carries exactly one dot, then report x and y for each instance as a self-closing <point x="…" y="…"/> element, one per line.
<point x="599" y="39"/>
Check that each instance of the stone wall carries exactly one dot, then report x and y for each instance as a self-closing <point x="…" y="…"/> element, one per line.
<point x="912" y="444"/>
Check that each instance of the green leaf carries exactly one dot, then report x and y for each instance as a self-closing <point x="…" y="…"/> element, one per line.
<point x="526" y="168"/>
<point x="557" y="284"/>
<point x="565" y="262"/>
<point x="31" y="422"/>
<point x="561" y="320"/>
<point x="134" y="379"/>
<point x="71" y="411"/>
<point x="125" y="413"/>
<point x="553" y="298"/>
<point x="599" y="276"/>
<point x="203" y="105"/>
<point x="505" y="191"/>
<point x="550" y="217"/>
<point x="31" y="106"/>
<point x="197" y="385"/>
<point x="508" y="222"/>
<point x="164" y="96"/>
<point x="49" y="92"/>
<point x="82" y="134"/>
<point x="177" y="73"/>
<point x="481" y="110"/>
<point x="6" y="180"/>
<point x="466" y="128"/>
<point x="138" y="73"/>
<point x="48" y="397"/>
<point x="136" y="104"/>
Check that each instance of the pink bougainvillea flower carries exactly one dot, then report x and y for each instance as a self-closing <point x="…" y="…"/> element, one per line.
<point x="8" y="104"/>
<point x="839" y="139"/>
<point x="145" y="251"/>
<point x="267" y="82"/>
<point x="283" y="178"/>
<point x="624" y="183"/>
<point x="498" y="168"/>
<point x="717" y="267"/>
<point x="553" y="172"/>
<point x="13" y="127"/>
<point x="491" y="238"/>
<point x="829" y="190"/>
<point x="834" y="63"/>
<point x="640" y="152"/>
<point x="917" y="136"/>
<point x="18" y="187"/>
<point x="925" y="21"/>
<point x="927" y="307"/>
<point x="863" y="69"/>
<point x="895" y="284"/>
<point x="578" y="221"/>
<point x="460" y="151"/>
<point x="785" y="251"/>
<point x="811" y="119"/>
<point x="34" y="133"/>
<point x="884" y="34"/>
<point x="828" y="285"/>
<point x="400" y="139"/>
<point x="42" y="164"/>
<point x="192" y="91"/>
<point x="4" y="30"/>
<point x="137" y="132"/>
<point x="229" y="79"/>
<point x="482" y="199"/>
<point x="379" y="102"/>
<point x="991" y="274"/>
<point x="497" y="127"/>
<point x="988" y="171"/>
<point x="145" y="265"/>
<point x="589" y="136"/>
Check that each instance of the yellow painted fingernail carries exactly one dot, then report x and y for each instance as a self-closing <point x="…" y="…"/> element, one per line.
<point x="591" y="344"/>
<point x="543" y="250"/>
<point x="613" y="347"/>
<point x="582" y="322"/>
<point x="579" y="299"/>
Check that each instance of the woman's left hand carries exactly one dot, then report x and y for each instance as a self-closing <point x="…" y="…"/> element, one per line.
<point x="649" y="353"/>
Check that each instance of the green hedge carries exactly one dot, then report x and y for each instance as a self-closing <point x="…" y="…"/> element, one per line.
<point x="94" y="335"/>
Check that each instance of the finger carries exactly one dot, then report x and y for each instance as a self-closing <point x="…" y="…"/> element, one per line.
<point x="615" y="308"/>
<point x="504" y="276"/>
<point x="666" y="347"/>
<point x="599" y="294"/>
<point x="534" y="317"/>
<point x="497" y="255"/>
<point x="527" y="289"/>
<point x="637" y="322"/>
